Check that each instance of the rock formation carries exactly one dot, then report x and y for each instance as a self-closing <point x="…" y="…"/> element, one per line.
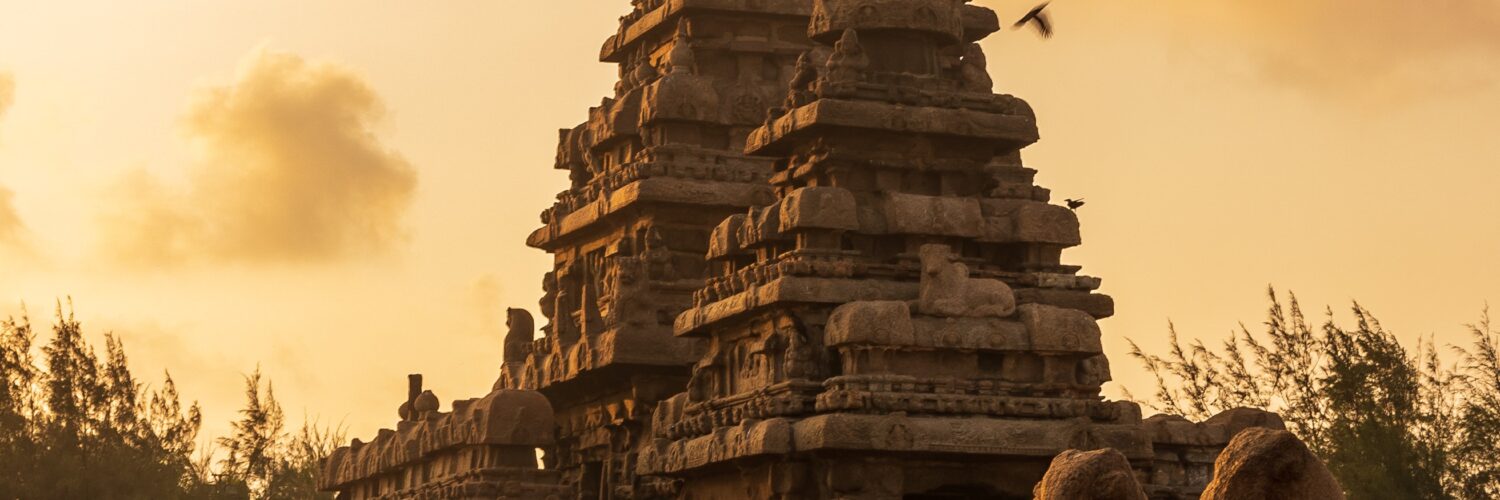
<point x="1089" y="475"/>
<point x="800" y="257"/>
<point x="1266" y="463"/>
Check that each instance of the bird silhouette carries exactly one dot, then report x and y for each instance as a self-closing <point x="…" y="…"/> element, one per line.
<point x="1039" y="19"/>
<point x="1074" y="204"/>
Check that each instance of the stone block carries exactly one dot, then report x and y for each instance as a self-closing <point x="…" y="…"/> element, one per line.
<point x="724" y="241"/>
<point x="942" y="18"/>
<point x="1058" y="330"/>
<point x="819" y="208"/>
<point x="870" y="322"/>
<point x="932" y="215"/>
<point x="1025" y="221"/>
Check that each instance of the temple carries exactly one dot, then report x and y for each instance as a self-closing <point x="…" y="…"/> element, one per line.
<point x="800" y="258"/>
<point x="654" y="169"/>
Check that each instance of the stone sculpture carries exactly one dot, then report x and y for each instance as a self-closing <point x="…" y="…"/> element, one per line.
<point x="801" y="257"/>
<point x="947" y="289"/>
<point x="521" y="329"/>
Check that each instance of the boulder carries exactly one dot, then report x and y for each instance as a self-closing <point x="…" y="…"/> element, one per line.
<point x="1089" y="475"/>
<point x="1264" y="463"/>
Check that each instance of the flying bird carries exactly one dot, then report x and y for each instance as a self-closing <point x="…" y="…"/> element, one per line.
<point x="1039" y="19"/>
<point x="1075" y="204"/>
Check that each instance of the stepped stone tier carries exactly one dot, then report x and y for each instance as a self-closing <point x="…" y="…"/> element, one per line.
<point x="801" y="258"/>
<point x="898" y="323"/>
<point x="654" y="169"/>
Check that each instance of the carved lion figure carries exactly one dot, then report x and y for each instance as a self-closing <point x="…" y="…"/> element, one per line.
<point x="947" y="289"/>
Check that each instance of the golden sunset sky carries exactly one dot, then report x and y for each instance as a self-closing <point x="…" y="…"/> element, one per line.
<point x="339" y="191"/>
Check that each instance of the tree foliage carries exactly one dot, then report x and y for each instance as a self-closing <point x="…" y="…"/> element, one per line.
<point x="1390" y="422"/>
<point x="74" y="424"/>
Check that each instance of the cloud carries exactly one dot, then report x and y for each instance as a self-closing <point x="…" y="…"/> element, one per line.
<point x="484" y="299"/>
<point x="11" y="229"/>
<point x="289" y="168"/>
<point x="7" y="92"/>
<point x="1382" y="46"/>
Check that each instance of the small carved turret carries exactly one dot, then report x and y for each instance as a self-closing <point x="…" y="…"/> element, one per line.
<point x="413" y="389"/>
<point x="682" y="59"/>
<point x="424" y="404"/>
<point x="644" y="72"/>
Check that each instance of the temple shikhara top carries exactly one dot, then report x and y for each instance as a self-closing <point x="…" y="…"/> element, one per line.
<point x="800" y="258"/>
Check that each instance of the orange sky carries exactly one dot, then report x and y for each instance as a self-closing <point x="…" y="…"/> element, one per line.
<point x="339" y="190"/>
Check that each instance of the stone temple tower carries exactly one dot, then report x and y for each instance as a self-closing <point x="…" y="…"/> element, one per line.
<point x="800" y="258"/>
<point x="898" y="323"/>
<point x="654" y="168"/>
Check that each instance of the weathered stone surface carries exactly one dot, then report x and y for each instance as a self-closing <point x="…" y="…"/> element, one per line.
<point x="520" y="330"/>
<point x="1055" y="329"/>
<point x="871" y="322"/>
<point x="832" y="18"/>
<point x="725" y="239"/>
<point x="656" y="170"/>
<point x="1089" y="475"/>
<point x="487" y="446"/>
<point x="1029" y="222"/>
<point x="1266" y="463"/>
<point x="800" y="256"/>
<point x="877" y="317"/>
<point x="819" y="208"/>
<point x="1216" y="431"/>
<point x="932" y="215"/>
<point x="1002" y="130"/>
<point x="1185" y="450"/>
<point x="947" y="289"/>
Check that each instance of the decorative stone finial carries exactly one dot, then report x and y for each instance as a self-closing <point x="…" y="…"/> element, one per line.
<point x="520" y="331"/>
<point x="413" y="389"/>
<point x="682" y="59"/>
<point x="427" y="402"/>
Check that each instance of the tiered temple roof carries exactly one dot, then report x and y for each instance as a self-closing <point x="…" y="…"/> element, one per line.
<point x="800" y="257"/>
<point x="654" y="168"/>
